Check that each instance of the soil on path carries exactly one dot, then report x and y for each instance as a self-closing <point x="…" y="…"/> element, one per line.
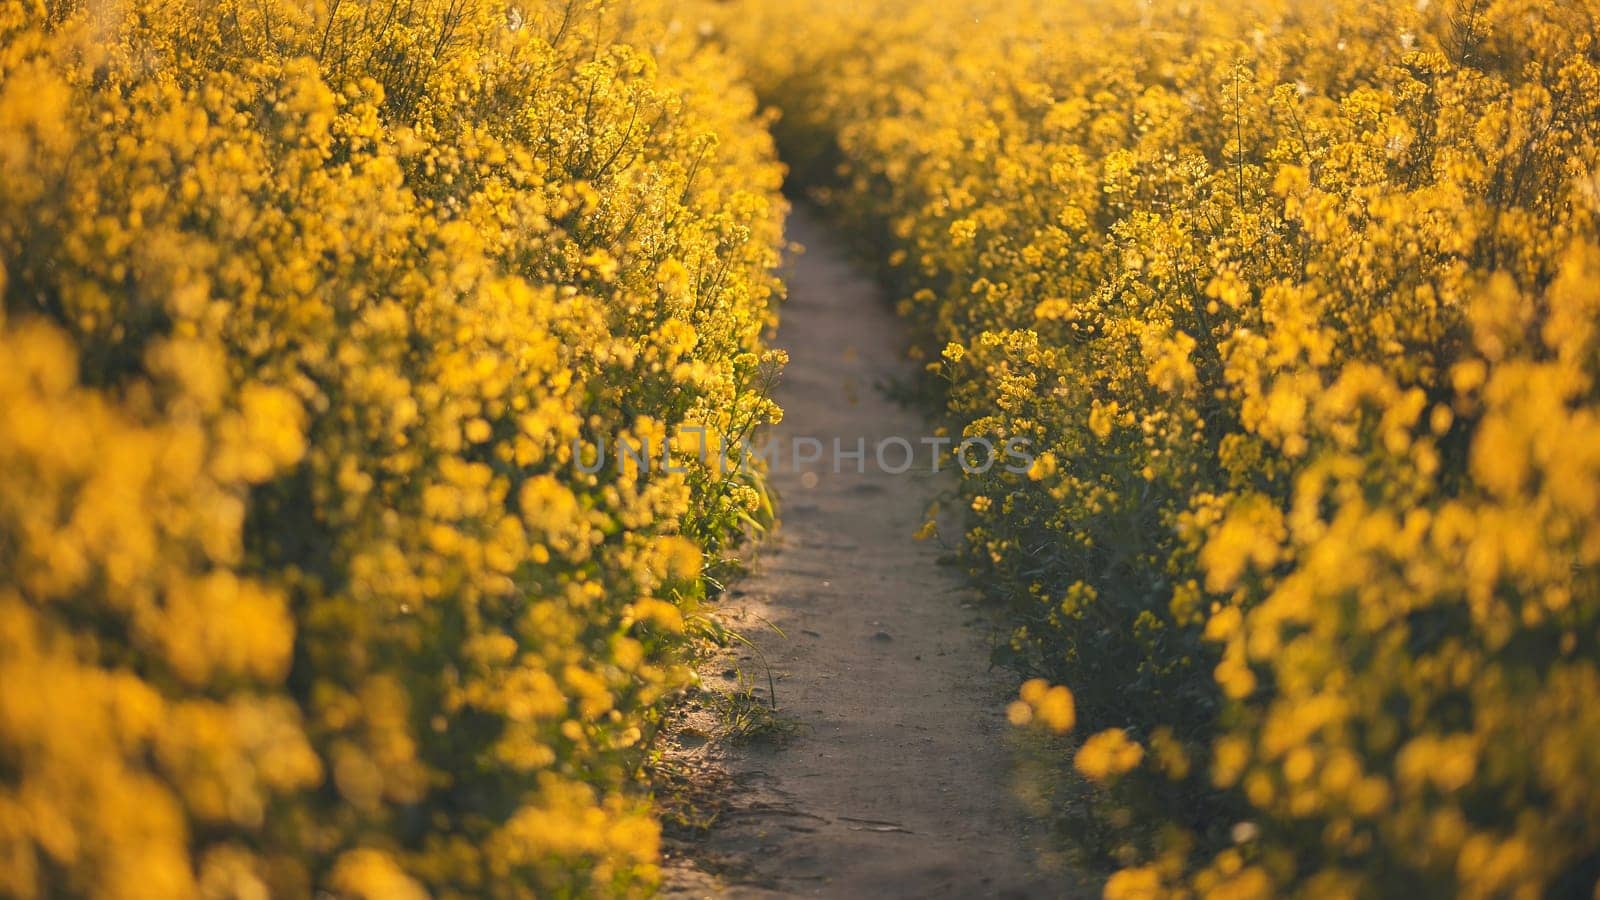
<point x="894" y="778"/>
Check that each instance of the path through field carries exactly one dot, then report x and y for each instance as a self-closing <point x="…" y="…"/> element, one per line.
<point x="895" y="781"/>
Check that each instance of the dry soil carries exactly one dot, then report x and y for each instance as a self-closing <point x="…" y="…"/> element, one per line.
<point x="894" y="778"/>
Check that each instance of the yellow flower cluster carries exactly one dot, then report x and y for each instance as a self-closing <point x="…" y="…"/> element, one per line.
<point x="1040" y="703"/>
<point x="307" y="309"/>
<point x="1300" y="303"/>
<point x="1106" y="755"/>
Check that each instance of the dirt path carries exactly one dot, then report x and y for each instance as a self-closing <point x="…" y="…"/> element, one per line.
<point x="894" y="782"/>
